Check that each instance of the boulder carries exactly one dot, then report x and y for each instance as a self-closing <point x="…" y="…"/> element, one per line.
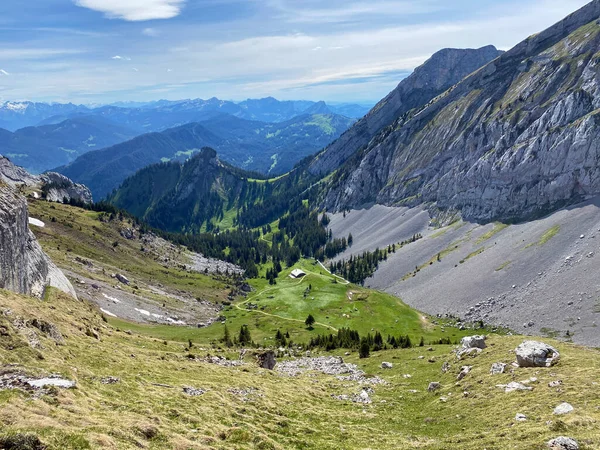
<point x="536" y="354"/>
<point x="434" y="386"/>
<point x="473" y="342"/>
<point x="463" y="372"/>
<point x="386" y="365"/>
<point x="498" y="368"/>
<point x="266" y="360"/>
<point x="563" y="443"/>
<point x="563" y="408"/>
<point x="520" y="417"/>
<point x="122" y="278"/>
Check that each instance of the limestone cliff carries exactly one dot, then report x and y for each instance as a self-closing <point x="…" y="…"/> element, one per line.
<point x="516" y="139"/>
<point x="24" y="267"/>
<point x="54" y="186"/>
<point x="444" y="69"/>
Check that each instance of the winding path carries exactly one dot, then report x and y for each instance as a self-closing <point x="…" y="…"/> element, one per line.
<point x="308" y="273"/>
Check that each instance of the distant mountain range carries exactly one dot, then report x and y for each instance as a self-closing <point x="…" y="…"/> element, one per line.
<point x="163" y="114"/>
<point x="41" y="148"/>
<point x="269" y="148"/>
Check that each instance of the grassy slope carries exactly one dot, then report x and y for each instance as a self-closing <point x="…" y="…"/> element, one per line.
<point x="292" y="412"/>
<point x="77" y="232"/>
<point x="284" y="307"/>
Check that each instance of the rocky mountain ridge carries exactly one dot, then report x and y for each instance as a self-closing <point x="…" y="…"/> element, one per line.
<point x="514" y="140"/>
<point x="53" y="186"/>
<point x="444" y="69"/>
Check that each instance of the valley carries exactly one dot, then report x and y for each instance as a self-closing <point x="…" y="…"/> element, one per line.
<point x="298" y="274"/>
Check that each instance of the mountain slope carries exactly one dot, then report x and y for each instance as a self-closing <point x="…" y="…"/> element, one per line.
<point x="174" y="196"/>
<point x="38" y="149"/>
<point x="516" y="139"/>
<point x="256" y="146"/>
<point x="444" y="69"/>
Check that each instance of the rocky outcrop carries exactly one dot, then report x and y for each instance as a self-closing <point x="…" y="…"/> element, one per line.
<point x="443" y="70"/>
<point x="516" y="139"/>
<point x="54" y="186"/>
<point x="14" y="175"/>
<point x="58" y="188"/>
<point x="24" y="267"/>
<point x="536" y="354"/>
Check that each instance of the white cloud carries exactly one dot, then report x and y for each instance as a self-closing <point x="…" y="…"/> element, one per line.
<point x="135" y="70"/>
<point x="134" y="10"/>
<point x="35" y="53"/>
<point x="124" y="58"/>
<point x="152" y="32"/>
<point x="4" y="72"/>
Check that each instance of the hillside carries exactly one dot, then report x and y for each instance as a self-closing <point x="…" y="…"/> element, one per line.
<point x="41" y="148"/>
<point x="181" y="387"/>
<point x="512" y="141"/>
<point x="255" y="146"/>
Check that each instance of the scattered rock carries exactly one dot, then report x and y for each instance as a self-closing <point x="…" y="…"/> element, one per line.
<point x="245" y="393"/>
<point x="472" y="352"/>
<point x="386" y="365"/>
<point x="193" y="392"/>
<point x="221" y="361"/>
<point x="110" y="380"/>
<point x="362" y="397"/>
<point x="329" y="365"/>
<point x="520" y="417"/>
<point x="514" y="386"/>
<point x="536" y="354"/>
<point x="563" y="443"/>
<point x="554" y="384"/>
<point x="434" y="386"/>
<point x="463" y="372"/>
<point x="445" y="367"/>
<point x="498" y="368"/>
<point x="563" y="408"/>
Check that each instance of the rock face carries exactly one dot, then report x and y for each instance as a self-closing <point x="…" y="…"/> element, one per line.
<point x="536" y="354"/>
<point x="24" y="267"/>
<point x="444" y="69"/>
<point x="56" y="187"/>
<point x="514" y="140"/>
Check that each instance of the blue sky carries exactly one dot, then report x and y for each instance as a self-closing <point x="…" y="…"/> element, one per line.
<point x="100" y="51"/>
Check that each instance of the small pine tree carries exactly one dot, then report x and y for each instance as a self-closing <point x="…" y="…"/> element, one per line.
<point x="422" y="342"/>
<point x="244" y="337"/>
<point x="227" y="337"/>
<point x="364" y="350"/>
<point x="310" y="321"/>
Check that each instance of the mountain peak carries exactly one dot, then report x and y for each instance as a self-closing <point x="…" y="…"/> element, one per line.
<point x="440" y="72"/>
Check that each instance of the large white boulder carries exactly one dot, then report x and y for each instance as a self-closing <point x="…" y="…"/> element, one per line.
<point x="536" y="354"/>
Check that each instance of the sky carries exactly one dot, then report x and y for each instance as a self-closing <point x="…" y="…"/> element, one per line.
<point x="103" y="51"/>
